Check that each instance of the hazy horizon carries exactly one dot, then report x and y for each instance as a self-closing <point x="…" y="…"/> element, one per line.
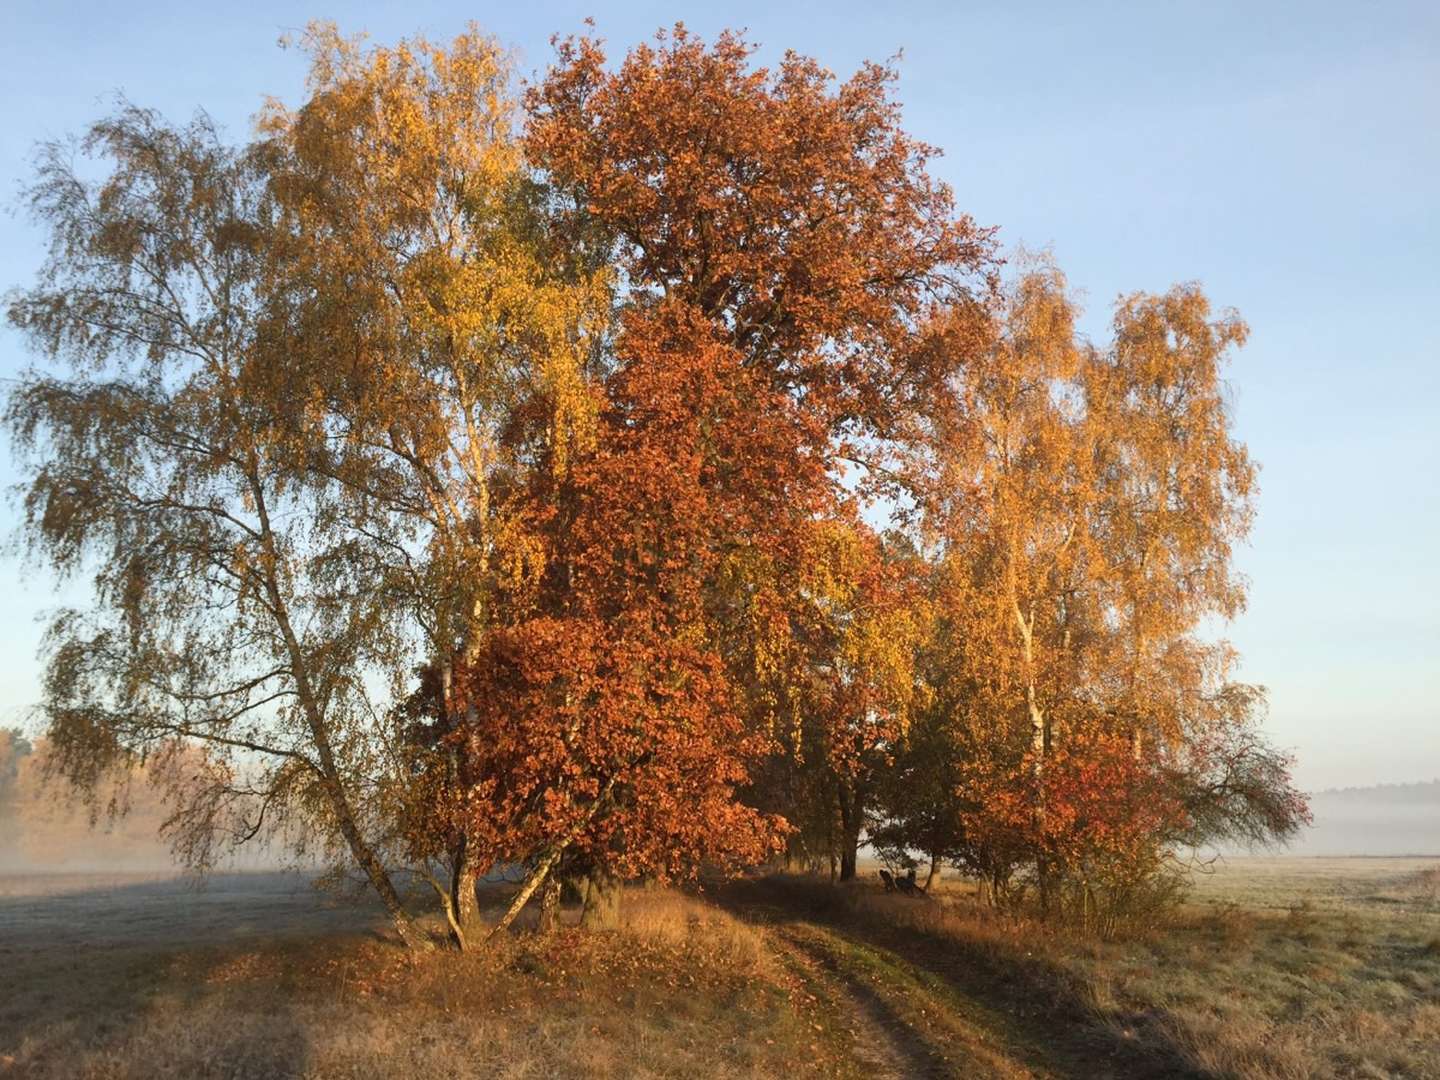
<point x="56" y="837"/>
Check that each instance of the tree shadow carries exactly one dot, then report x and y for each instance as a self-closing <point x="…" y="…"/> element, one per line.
<point x="104" y="972"/>
<point x="1053" y="1022"/>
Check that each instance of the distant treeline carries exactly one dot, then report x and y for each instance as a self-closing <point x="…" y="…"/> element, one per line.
<point x="1419" y="793"/>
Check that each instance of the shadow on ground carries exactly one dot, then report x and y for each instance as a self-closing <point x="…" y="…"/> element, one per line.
<point x="1042" y="1016"/>
<point x="92" y="961"/>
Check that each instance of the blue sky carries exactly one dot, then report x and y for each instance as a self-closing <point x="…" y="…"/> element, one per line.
<point x="1287" y="156"/>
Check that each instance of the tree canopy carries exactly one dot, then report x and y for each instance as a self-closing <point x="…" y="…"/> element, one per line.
<point x="647" y="471"/>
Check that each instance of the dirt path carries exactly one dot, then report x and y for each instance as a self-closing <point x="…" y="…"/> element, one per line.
<point x="881" y="1044"/>
<point x="894" y="1020"/>
<point x="915" y="1007"/>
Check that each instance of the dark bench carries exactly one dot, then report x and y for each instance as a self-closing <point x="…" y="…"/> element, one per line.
<point x="905" y="886"/>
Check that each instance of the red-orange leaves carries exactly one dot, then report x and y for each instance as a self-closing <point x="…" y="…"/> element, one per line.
<point x="604" y="714"/>
<point x="790" y="211"/>
<point x="625" y="745"/>
<point x="781" y="246"/>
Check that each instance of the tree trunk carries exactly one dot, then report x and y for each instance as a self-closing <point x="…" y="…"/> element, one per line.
<point x="934" y="873"/>
<point x="851" y="816"/>
<point x="447" y="905"/>
<point x="462" y="887"/>
<point x="602" y="902"/>
<point x="550" y="905"/>
<point x="999" y="890"/>
<point x="1039" y="749"/>
<point x="830" y="850"/>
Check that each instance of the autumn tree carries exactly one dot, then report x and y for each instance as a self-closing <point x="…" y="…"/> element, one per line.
<point x="1091" y="501"/>
<point x="439" y="341"/>
<point x="861" y="684"/>
<point x="1175" y="493"/>
<point x="227" y="606"/>
<point x="604" y="716"/>
<point x="747" y="365"/>
<point x="917" y="815"/>
<point x="293" y="364"/>
<point x="788" y="222"/>
<point x="1174" y="496"/>
<point x="1012" y="517"/>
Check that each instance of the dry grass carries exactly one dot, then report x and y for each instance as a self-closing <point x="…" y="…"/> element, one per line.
<point x="141" y="981"/>
<point x="1279" y="968"/>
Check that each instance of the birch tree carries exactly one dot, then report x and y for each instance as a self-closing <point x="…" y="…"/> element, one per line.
<point x="226" y="609"/>
<point x="439" y="343"/>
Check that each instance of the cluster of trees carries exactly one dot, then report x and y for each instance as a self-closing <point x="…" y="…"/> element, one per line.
<point x="650" y="470"/>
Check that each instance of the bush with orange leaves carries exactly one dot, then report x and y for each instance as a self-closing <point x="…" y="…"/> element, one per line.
<point x="1093" y="825"/>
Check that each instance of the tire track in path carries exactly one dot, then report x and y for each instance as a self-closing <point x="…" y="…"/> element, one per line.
<point x="882" y="1046"/>
<point x="896" y="1024"/>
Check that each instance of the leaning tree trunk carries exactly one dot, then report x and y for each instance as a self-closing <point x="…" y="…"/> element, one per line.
<point x="537" y="878"/>
<point x="405" y="926"/>
<point x="934" y="873"/>
<point x="360" y="849"/>
<point x="328" y="769"/>
<point x="550" y="859"/>
<point x="602" y="902"/>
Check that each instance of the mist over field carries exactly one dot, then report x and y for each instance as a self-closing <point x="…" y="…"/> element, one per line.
<point x="1389" y="819"/>
<point x="46" y="828"/>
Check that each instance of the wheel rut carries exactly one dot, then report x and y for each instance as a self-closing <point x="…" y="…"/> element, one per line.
<point x="883" y="1045"/>
<point x="914" y="1004"/>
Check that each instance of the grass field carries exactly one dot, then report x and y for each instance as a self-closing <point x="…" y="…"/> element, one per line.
<point x="1282" y="967"/>
<point x="1278" y="967"/>
<point x="259" y="976"/>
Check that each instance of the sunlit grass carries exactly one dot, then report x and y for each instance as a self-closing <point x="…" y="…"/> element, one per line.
<point x="148" y="984"/>
<point x="1278" y="967"/>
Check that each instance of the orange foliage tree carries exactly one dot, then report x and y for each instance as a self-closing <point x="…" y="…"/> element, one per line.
<point x="1090" y="501"/>
<point x="780" y="243"/>
<point x="427" y="314"/>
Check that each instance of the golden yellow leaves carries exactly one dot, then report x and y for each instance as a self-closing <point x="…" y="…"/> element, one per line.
<point x="439" y="320"/>
<point x="520" y="560"/>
